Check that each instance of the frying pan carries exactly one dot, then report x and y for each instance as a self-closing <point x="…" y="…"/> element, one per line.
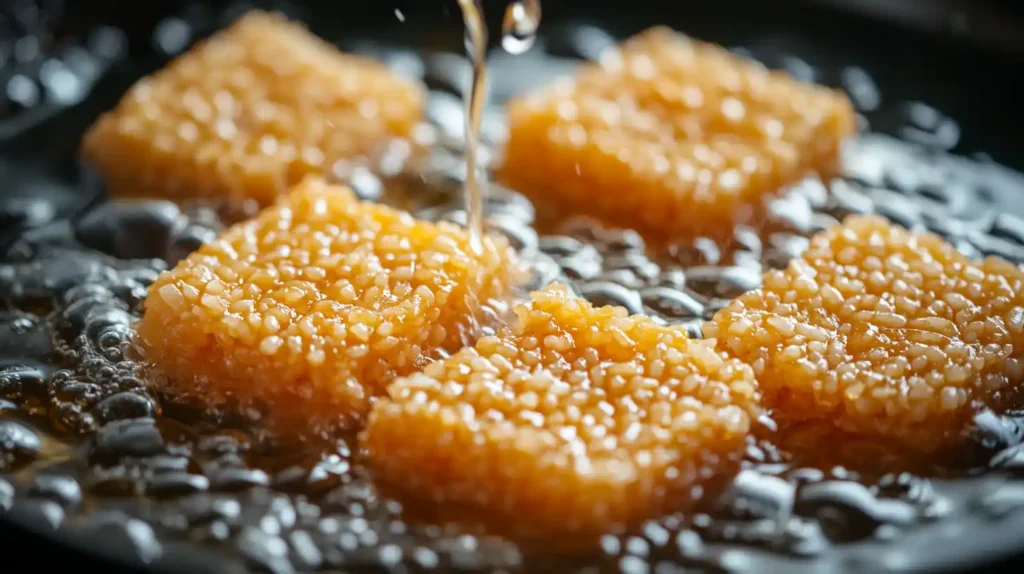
<point x="961" y="56"/>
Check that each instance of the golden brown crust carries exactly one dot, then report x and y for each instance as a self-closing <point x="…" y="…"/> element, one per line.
<point x="672" y="137"/>
<point x="313" y="306"/>
<point x="247" y="114"/>
<point x="887" y="333"/>
<point x="575" y="419"/>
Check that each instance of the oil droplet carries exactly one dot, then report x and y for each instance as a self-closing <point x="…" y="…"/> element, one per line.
<point x="519" y="26"/>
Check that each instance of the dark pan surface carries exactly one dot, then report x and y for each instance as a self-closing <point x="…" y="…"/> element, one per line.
<point x="182" y="495"/>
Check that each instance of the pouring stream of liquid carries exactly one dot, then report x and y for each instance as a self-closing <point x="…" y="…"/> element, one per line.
<point x="519" y="30"/>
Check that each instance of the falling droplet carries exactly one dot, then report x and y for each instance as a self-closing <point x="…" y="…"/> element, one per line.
<point x="519" y="26"/>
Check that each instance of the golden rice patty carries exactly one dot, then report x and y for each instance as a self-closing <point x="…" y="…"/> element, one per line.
<point x="313" y="306"/>
<point x="672" y="136"/>
<point x="884" y="332"/>
<point x="573" y="419"/>
<point x="248" y="113"/>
